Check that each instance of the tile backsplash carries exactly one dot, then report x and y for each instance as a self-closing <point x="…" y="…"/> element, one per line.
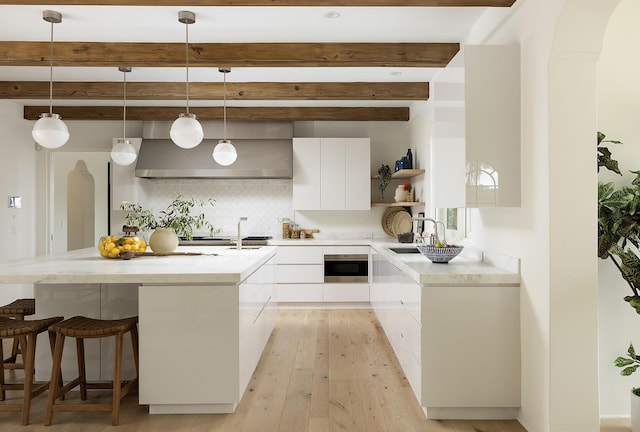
<point x="263" y="201"/>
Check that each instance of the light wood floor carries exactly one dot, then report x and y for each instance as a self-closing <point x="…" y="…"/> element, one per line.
<point x="321" y="371"/>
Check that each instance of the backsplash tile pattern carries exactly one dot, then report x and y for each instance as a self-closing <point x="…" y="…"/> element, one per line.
<point x="263" y="201"/>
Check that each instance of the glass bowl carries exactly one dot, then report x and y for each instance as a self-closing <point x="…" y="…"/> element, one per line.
<point x="116" y="247"/>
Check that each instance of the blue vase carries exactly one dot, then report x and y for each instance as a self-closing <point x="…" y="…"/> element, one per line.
<point x="397" y="165"/>
<point x="409" y="160"/>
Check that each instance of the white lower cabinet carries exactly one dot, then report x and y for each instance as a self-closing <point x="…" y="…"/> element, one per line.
<point x="238" y="319"/>
<point x="459" y="346"/>
<point x="300" y="276"/>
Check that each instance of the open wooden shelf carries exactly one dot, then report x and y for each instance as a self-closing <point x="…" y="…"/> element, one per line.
<point x="404" y="174"/>
<point x="397" y="204"/>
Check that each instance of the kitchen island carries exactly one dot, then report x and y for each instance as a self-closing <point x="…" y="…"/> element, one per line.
<point x="204" y="319"/>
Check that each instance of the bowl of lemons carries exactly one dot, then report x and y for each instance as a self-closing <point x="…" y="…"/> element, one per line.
<point x="121" y="247"/>
<point x="440" y="253"/>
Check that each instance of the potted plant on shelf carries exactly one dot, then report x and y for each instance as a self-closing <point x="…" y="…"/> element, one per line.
<point x="176" y="221"/>
<point x="618" y="240"/>
<point x="384" y="178"/>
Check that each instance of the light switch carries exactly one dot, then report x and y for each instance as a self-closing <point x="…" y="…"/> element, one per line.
<point x="15" y="202"/>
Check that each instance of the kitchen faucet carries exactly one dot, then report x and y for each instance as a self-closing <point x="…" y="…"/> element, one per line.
<point x="434" y="237"/>
<point x="239" y="242"/>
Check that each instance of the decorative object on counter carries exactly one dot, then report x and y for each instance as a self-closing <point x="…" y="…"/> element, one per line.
<point x="163" y="240"/>
<point x="186" y="131"/>
<point x="309" y="232"/>
<point x="285" y="229"/>
<point x="405" y="237"/>
<point x="440" y="253"/>
<point x="50" y="131"/>
<point x="177" y="220"/>
<point x="401" y="194"/>
<point x="384" y="177"/>
<point x="224" y="153"/>
<point x="401" y="223"/>
<point x="387" y="220"/>
<point x="116" y="247"/>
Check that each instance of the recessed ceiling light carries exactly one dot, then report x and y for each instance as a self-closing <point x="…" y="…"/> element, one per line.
<point x="332" y="14"/>
<point x="396" y="73"/>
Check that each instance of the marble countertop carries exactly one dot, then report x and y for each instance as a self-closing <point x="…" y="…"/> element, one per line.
<point x="469" y="268"/>
<point x="87" y="266"/>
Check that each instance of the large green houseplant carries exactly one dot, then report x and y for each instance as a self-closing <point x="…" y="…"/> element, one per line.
<point x="619" y="237"/>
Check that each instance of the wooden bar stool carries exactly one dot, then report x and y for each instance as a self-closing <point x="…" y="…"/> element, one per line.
<point x="85" y="328"/>
<point x="27" y="332"/>
<point x="17" y="310"/>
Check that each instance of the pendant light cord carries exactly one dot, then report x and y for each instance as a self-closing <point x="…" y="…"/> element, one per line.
<point x="51" y="71"/>
<point x="124" y="106"/>
<point x="187" y="61"/>
<point x="224" y="106"/>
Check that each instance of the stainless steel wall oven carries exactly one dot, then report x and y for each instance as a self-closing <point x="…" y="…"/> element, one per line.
<point x="346" y="268"/>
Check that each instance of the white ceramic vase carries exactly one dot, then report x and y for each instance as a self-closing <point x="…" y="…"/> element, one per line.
<point x="635" y="413"/>
<point x="401" y="194"/>
<point x="163" y="240"/>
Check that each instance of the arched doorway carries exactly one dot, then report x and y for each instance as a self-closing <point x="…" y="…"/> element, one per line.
<point x="573" y="290"/>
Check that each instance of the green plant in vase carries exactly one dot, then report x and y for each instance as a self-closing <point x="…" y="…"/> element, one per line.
<point x="384" y="178"/>
<point x="177" y="220"/>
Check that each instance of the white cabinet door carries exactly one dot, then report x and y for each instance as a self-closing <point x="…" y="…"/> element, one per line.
<point x="358" y="174"/>
<point x="332" y="174"/>
<point x="475" y="139"/>
<point x="306" y="173"/>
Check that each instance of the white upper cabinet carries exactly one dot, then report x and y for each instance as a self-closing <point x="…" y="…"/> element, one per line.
<point x="306" y="173"/>
<point x="331" y="174"/>
<point x="475" y="138"/>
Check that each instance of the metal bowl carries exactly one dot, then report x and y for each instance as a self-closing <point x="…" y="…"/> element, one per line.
<point x="441" y="255"/>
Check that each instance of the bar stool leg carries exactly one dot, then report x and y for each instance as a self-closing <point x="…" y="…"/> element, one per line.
<point x="2" y="390"/>
<point x="81" y="368"/>
<point x="117" y="385"/>
<point x="56" y="376"/>
<point x="52" y="344"/>
<point x="29" y="369"/>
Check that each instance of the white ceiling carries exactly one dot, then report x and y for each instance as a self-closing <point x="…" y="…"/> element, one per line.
<point x="235" y="24"/>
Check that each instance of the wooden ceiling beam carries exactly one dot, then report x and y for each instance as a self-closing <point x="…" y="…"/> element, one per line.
<point x="233" y="113"/>
<point x="325" y="3"/>
<point x="152" y="54"/>
<point x="215" y="91"/>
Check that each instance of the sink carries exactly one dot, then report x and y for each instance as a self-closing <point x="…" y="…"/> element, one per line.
<point x="246" y="247"/>
<point x="404" y="250"/>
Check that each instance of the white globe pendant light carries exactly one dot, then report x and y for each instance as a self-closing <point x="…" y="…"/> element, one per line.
<point x="123" y="152"/>
<point x="224" y="153"/>
<point x="50" y="131"/>
<point x="186" y="131"/>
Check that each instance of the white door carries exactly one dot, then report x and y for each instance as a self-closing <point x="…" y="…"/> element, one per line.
<point x="83" y="216"/>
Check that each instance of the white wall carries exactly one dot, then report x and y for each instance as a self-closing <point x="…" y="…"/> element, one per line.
<point x="17" y="178"/>
<point x="551" y="232"/>
<point x="618" y="113"/>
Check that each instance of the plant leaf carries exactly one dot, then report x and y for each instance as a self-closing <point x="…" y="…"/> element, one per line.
<point x="631" y="351"/>
<point x="622" y="362"/>
<point x="628" y="370"/>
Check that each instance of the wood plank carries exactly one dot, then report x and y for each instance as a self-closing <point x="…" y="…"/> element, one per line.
<point x="394" y="3"/>
<point x="320" y="386"/>
<point x="215" y="91"/>
<point x="233" y="113"/>
<point x="277" y="396"/>
<point x="215" y="55"/>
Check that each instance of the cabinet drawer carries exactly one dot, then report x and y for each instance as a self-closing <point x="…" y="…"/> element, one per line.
<point x="411" y="333"/>
<point x="300" y="273"/>
<point x="354" y="292"/>
<point x="299" y="293"/>
<point x="299" y="255"/>
<point x="338" y="250"/>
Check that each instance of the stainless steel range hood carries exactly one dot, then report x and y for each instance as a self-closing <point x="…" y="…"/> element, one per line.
<point x="264" y="151"/>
